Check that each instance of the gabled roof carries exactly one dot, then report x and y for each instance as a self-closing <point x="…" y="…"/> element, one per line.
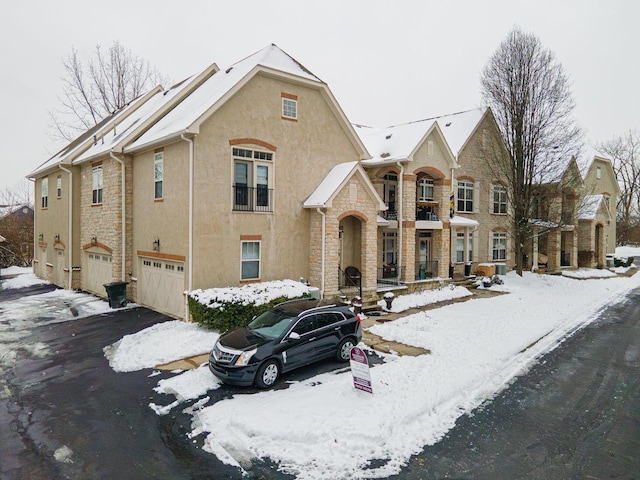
<point x="591" y="206"/>
<point x="95" y="134"/>
<point x="335" y="180"/>
<point x="400" y="142"/>
<point x="6" y="210"/>
<point x="187" y="117"/>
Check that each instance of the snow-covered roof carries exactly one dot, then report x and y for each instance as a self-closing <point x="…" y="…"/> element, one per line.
<point x="392" y="144"/>
<point x="590" y="206"/>
<point x="587" y="157"/>
<point x="458" y="221"/>
<point x="6" y="210"/>
<point x="399" y="142"/>
<point x="338" y="175"/>
<point x="121" y="128"/>
<point x="184" y="117"/>
<point x="458" y="127"/>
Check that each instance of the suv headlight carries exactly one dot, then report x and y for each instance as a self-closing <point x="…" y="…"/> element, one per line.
<point x="244" y="357"/>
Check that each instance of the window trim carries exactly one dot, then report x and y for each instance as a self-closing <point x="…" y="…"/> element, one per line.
<point x="258" y="197"/>
<point x="59" y="186"/>
<point x="97" y="193"/>
<point x="495" y="252"/>
<point x="289" y="107"/>
<point x="44" y="193"/>
<point x="258" y="242"/>
<point x="502" y="200"/>
<point x="158" y="159"/>
<point x="468" y="186"/>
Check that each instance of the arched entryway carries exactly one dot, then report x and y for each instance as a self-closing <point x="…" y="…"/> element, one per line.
<point x="350" y="252"/>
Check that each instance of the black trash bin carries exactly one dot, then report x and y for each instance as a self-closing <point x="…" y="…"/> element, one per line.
<point x="450" y="271"/>
<point x="467" y="270"/>
<point x="117" y="293"/>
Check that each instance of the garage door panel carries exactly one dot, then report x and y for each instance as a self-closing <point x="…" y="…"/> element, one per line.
<point x="98" y="273"/>
<point x="161" y="286"/>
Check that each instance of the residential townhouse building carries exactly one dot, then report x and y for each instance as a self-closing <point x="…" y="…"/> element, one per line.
<point x="254" y="173"/>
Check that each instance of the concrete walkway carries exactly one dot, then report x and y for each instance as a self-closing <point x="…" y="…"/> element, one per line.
<point x="373" y="341"/>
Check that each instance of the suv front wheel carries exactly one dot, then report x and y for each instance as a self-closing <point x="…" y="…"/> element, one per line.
<point x="267" y="374"/>
<point x="343" y="353"/>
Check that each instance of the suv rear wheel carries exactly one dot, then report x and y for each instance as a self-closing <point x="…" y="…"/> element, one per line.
<point x="267" y="374"/>
<point x="343" y="353"/>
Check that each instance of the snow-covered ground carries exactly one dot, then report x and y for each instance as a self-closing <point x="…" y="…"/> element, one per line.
<point x="323" y="428"/>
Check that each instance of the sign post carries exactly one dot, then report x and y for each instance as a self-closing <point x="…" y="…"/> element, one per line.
<point x="360" y="370"/>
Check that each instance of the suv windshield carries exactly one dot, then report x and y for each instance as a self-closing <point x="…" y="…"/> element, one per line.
<point x="272" y="323"/>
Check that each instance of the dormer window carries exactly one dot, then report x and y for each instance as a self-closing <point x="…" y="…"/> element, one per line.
<point x="289" y="107"/>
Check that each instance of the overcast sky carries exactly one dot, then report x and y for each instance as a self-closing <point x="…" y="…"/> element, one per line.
<point x="386" y="62"/>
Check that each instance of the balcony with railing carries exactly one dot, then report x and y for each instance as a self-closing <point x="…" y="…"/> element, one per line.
<point x="250" y="199"/>
<point x="389" y="275"/>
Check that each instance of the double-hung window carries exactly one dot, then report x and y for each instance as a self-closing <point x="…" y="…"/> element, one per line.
<point x="158" y="174"/>
<point x="250" y="260"/>
<point x="460" y="247"/>
<point x="425" y="189"/>
<point x="252" y="177"/>
<point x="499" y="245"/>
<point x="44" y="192"/>
<point x="499" y="199"/>
<point x="96" y="184"/>
<point x="465" y="196"/>
<point x="289" y="107"/>
<point x="59" y="186"/>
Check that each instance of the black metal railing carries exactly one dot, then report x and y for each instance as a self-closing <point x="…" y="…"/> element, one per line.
<point x="250" y="199"/>
<point x="425" y="270"/>
<point x="350" y="281"/>
<point x="390" y="214"/>
<point x="424" y="213"/>
<point x="389" y="275"/>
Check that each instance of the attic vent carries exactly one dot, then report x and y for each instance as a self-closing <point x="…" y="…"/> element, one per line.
<point x="448" y="124"/>
<point x="385" y="155"/>
<point x="389" y="136"/>
<point x="228" y="70"/>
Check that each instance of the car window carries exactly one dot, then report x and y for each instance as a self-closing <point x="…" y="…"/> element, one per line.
<point x="272" y="323"/>
<point x="328" y="319"/>
<point x="306" y="325"/>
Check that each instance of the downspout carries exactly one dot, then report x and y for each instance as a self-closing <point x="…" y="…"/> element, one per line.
<point x="400" y="213"/>
<point x="322" y="266"/>
<point x="190" y="255"/>
<point x="452" y="238"/>
<point x="70" y="224"/>
<point x="124" y="219"/>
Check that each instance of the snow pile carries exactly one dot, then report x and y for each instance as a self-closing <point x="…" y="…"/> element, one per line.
<point x="161" y="343"/>
<point x="582" y="273"/>
<point x="21" y="280"/>
<point x="253" y="293"/>
<point x="420" y="299"/>
<point x="186" y="386"/>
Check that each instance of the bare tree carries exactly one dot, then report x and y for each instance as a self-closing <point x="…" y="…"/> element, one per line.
<point x="528" y="92"/>
<point x="624" y="151"/>
<point x="16" y="225"/>
<point x="91" y="92"/>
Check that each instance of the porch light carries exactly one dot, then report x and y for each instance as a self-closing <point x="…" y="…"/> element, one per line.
<point x="56" y="238"/>
<point x="41" y="237"/>
<point x="94" y="240"/>
<point x="156" y="245"/>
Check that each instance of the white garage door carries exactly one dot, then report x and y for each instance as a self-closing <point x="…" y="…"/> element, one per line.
<point x="98" y="273"/>
<point x="161" y="286"/>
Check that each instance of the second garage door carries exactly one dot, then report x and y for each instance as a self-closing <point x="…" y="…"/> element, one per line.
<point x="161" y="286"/>
<point x="98" y="273"/>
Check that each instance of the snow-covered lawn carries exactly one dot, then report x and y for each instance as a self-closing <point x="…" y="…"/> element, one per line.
<point x="323" y="428"/>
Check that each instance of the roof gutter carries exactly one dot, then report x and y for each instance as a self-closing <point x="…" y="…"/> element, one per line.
<point x="70" y="224"/>
<point x="123" y="230"/>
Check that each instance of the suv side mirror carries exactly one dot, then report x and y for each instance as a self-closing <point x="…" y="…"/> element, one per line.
<point x="294" y="336"/>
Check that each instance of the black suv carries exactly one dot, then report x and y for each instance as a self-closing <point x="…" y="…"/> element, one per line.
<point x="289" y="335"/>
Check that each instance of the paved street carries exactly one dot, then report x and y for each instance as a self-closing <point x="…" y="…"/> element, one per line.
<point x="70" y="416"/>
<point x="575" y="415"/>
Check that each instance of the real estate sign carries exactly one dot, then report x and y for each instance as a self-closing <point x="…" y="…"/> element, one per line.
<point x="360" y="370"/>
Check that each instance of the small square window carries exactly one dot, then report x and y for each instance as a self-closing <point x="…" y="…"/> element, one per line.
<point x="290" y="107"/>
